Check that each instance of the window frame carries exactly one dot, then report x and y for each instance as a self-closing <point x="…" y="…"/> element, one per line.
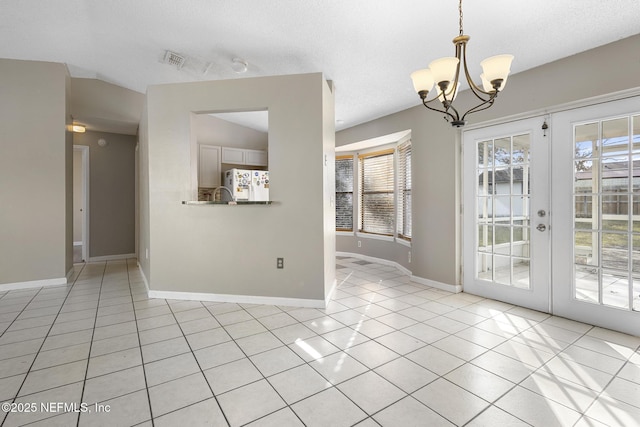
<point x="353" y="184"/>
<point x="361" y="191"/>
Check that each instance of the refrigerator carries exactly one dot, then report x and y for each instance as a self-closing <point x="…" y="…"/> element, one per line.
<point x="249" y="185"/>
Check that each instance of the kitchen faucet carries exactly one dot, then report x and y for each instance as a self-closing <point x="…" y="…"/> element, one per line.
<point x="233" y="199"/>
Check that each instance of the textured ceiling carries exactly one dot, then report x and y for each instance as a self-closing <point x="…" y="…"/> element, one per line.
<point x="368" y="48"/>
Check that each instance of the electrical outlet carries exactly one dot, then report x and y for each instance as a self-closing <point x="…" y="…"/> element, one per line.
<point x="359" y="243"/>
<point x="280" y="262"/>
<point x="409" y="256"/>
<point x="146" y="253"/>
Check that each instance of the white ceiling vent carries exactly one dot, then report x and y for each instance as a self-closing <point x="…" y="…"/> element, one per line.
<point x="174" y="59"/>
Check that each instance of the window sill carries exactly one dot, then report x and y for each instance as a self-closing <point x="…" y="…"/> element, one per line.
<point x="403" y="242"/>
<point x="345" y="233"/>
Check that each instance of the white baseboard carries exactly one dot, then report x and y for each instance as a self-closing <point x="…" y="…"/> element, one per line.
<point x="238" y="299"/>
<point x="33" y="284"/>
<point x="376" y="260"/>
<point x="328" y="297"/>
<point x="456" y="289"/>
<point x="144" y="278"/>
<point x="427" y="282"/>
<point x="111" y="257"/>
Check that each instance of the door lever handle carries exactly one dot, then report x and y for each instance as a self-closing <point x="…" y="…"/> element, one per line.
<point x="541" y="227"/>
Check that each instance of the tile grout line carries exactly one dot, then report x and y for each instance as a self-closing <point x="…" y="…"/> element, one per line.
<point x="93" y="332"/>
<point x="144" y="373"/>
<point x="41" y="345"/>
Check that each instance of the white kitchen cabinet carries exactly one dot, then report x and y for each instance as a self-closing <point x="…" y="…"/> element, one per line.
<point x="233" y="155"/>
<point x="241" y="156"/>
<point x="209" y="166"/>
<point x="255" y="157"/>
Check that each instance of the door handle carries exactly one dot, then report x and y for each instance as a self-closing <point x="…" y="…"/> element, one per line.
<point x="541" y="227"/>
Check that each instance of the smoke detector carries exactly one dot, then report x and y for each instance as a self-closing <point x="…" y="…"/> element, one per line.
<point x="239" y="65"/>
<point x="174" y="59"/>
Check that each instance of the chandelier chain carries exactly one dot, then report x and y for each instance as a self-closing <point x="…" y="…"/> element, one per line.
<point x="460" y="10"/>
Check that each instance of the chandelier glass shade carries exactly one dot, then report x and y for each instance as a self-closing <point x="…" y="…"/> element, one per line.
<point x="445" y="72"/>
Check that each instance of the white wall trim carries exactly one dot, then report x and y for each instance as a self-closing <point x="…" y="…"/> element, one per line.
<point x="144" y="278"/>
<point x="427" y="282"/>
<point x="77" y="243"/>
<point x="111" y="257"/>
<point x="238" y="299"/>
<point x="33" y="284"/>
<point x="328" y="297"/>
<point x="456" y="289"/>
<point x="374" y="259"/>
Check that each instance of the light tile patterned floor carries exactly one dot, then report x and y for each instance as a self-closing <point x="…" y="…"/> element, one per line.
<point x="385" y="352"/>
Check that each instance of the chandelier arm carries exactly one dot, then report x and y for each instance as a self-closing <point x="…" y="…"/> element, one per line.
<point x="477" y="91"/>
<point x="454" y="118"/>
<point x="482" y="106"/>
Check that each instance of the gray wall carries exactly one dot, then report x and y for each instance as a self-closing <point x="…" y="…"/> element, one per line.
<point x="436" y="146"/>
<point x="105" y="107"/>
<point x="111" y="192"/>
<point x="215" y="131"/>
<point x="233" y="249"/>
<point x="36" y="192"/>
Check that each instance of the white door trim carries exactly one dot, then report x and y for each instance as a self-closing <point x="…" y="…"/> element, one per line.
<point x="84" y="150"/>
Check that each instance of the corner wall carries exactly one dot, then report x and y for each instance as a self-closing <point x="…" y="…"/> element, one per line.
<point x="36" y="163"/>
<point x="232" y="250"/>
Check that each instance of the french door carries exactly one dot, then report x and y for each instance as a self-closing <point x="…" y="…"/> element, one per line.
<point x="596" y="221"/>
<point x="506" y="244"/>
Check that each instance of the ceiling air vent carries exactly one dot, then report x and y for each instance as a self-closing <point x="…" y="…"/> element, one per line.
<point x="174" y="59"/>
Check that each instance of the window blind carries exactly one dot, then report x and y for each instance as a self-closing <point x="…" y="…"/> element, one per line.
<point x="403" y="227"/>
<point x="377" y="193"/>
<point x="344" y="193"/>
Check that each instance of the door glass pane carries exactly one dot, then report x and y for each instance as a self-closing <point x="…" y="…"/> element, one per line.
<point x="485" y="154"/>
<point x="485" y="266"/>
<point x="606" y="212"/>
<point x="520" y="154"/>
<point x="635" y="254"/>
<point x="502" y="272"/>
<point x="586" y="140"/>
<point x="636" y="134"/>
<point x="584" y="212"/>
<point x="521" y="272"/>
<point x="615" y="287"/>
<point x="502" y="219"/>
<point x="636" y="293"/>
<point x="586" y="248"/>
<point x="586" y="284"/>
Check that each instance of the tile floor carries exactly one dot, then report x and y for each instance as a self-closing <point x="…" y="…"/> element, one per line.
<point x="385" y="352"/>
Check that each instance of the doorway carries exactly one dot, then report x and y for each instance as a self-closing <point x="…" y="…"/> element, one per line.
<point x="80" y="203"/>
<point x="552" y="219"/>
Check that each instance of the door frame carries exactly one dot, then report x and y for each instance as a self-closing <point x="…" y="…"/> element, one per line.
<point x="538" y="296"/>
<point x="84" y="150"/>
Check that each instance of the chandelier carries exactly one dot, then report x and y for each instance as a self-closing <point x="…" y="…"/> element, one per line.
<point x="445" y="73"/>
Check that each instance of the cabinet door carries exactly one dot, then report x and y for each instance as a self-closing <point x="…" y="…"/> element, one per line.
<point x="233" y="155"/>
<point x="255" y="157"/>
<point x="209" y="166"/>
